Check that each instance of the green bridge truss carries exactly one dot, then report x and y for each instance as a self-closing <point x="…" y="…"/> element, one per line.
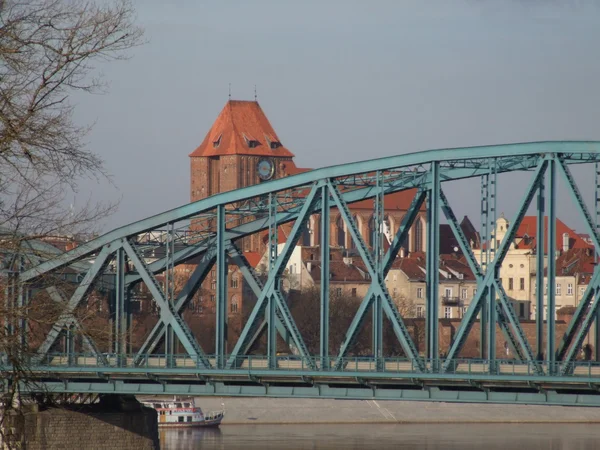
<point x="118" y="260"/>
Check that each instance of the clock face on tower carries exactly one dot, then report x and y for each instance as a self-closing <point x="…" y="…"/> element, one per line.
<point x="265" y="169"/>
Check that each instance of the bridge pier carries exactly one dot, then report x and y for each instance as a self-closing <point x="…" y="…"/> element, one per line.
<point x="116" y="422"/>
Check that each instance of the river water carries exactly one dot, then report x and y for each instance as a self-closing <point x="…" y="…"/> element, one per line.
<point x="387" y="436"/>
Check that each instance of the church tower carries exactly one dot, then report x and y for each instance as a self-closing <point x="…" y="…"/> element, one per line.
<point x="241" y="149"/>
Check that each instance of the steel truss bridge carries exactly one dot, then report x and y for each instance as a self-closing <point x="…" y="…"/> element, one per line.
<point x="209" y="231"/>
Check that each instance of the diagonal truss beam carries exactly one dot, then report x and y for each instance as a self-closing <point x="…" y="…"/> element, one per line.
<point x="254" y="283"/>
<point x="58" y="297"/>
<point x="516" y="157"/>
<point x="271" y="283"/>
<point x="582" y="319"/>
<point x="377" y="287"/>
<point x="185" y="295"/>
<point x="477" y="272"/>
<point x="491" y="275"/>
<point x="167" y="311"/>
<point x="84" y="287"/>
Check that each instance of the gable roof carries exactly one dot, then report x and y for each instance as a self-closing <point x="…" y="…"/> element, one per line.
<point x="528" y="229"/>
<point x="238" y="123"/>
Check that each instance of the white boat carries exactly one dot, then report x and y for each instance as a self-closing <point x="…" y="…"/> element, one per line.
<point x="183" y="413"/>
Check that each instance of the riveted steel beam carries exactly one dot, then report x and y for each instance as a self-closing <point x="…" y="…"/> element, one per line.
<point x="377" y="284"/>
<point x="86" y="284"/>
<point x="169" y="316"/>
<point x="578" y="152"/>
<point x="274" y="275"/>
<point x="491" y="274"/>
<point x="390" y="256"/>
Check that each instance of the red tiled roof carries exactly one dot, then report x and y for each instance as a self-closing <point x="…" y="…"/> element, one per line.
<point x="239" y="122"/>
<point x="253" y="258"/>
<point x="528" y="227"/>
<point x="578" y="261"/>
<point x="400" y="200"/>
<point x="340" y="272"/>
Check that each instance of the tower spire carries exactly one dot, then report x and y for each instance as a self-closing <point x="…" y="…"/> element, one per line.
<point x="255" y="94"/>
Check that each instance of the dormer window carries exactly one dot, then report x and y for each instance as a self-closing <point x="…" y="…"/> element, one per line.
<point x="217" y="142"/>
<point x="252" y="143"/>
<point x="275" y="144"/>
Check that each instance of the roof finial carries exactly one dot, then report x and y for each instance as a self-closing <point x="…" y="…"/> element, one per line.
<point x="229" y="91"/>
<point x="255" y="94"/>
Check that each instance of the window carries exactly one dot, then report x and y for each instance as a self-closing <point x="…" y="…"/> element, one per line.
<point x="464" y="310"/>
<point x="353" y="292"/>
<point x="234" y="281"/>
<point x="235" y="303"/>
<point x="448" y="292"/>
<point x="395" y="277"/>
<point x="338" y="292"/>
<point x="522" y="282"/>
<point x="510" y="284"/>
<point x="521" y="309"/>
<point x="341" y="232"/>
<point x="213" y="298"/>
<point x="419" y="292"/>
<point x="419" y="311"/>
<point x="581" y="291"/>
<point x="213" y="273"/>
<point x="213" y="285"/>
<point x="275" y="144"/>
<point x="570" y="289"/>
<point x="448" y="312"/>
<point x="558" y="289"/>
<point x="464" y="293"/>
<point x="180" y="419"/>
<point x="189" y="418"/>
<point x="418" y="227"/>
<point x="395" y="292"/>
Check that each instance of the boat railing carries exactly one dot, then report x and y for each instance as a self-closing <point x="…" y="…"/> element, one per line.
<point x="213" y="415"/>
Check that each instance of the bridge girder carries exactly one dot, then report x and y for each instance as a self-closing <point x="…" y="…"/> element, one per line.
<point x="225" y="218"/>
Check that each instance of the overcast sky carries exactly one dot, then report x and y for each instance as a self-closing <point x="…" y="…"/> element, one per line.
<point x="344" y="81"/>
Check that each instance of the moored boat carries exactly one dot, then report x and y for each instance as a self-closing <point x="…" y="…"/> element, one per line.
<point x="183" y="413"/>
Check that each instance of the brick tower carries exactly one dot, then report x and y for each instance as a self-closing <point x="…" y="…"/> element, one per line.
<point x="241" y="149"/>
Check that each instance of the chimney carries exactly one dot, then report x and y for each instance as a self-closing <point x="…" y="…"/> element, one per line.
<point x="565" y="245"/>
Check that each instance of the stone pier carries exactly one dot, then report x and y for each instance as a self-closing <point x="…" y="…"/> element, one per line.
<point x="115" y="423"/>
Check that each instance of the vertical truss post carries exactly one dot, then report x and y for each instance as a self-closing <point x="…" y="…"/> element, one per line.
<point x="597" y="210"/>
<point x="491" y="250"/>
<point x="221" y="303"/>
<point x="539" y="276"/>
<point x="271" y="306"/>
<point x="551" y="265"/>
<point x="490" y="278"/>
<point x="432" y="272"/>
<point x="377" y="259"/>
<point x="70" y="344"/>
<point x="484" y="258"/>
<point x="169" y="281"/>
<point x="325" y="235"/>
<point x="119" y="300"/>
<point x="582" y="319"/>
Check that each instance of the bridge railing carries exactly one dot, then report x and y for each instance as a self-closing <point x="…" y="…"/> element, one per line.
<point x="79" y="362"/>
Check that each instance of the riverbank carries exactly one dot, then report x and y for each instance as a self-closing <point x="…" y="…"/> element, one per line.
<point x="250" y="410"/>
